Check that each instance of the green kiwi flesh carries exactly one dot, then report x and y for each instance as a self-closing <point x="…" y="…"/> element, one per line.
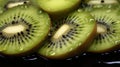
<point x="108" y="37"/>
<point x="71" y="37"/>
<point x="2" y="5"/>
<point x="22" y="29"/>
<point x="57" y="7"/>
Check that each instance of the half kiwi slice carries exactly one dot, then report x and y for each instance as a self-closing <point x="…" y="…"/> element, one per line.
<point x="108" y="30"/>
<point x="22" y="29"/>
<point x="57" y="7"/>
<point x="71" y="37"/>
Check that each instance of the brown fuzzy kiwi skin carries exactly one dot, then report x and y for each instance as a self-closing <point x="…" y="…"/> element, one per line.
<point x="78" y="50"/>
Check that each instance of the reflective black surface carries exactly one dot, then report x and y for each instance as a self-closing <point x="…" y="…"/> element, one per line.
<point x="84" y="60"/>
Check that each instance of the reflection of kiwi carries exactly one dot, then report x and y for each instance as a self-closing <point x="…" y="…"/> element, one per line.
<point x="108" y="29"/>
<point x="102" y="3"/>
<point x="96" y="2"/>
<point x="57" y="7"/>
<point x="71" y="37"/>
<point x="22" y="28"/>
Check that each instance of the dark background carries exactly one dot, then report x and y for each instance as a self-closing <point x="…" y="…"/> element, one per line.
<point x="111" y="59"/>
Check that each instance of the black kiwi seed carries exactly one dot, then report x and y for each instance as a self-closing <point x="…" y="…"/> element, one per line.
<point x="69" y="35"/>
<point x="102" y="1"/>
<point x="19" y="34"/>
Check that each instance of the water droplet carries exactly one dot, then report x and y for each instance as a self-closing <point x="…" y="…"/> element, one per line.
<point x="26" y="6"/>
<point x="53" y="53"/>
<point x="70" y="49"/>
<point x="69" y="59"/>
<point x="79" y="43"/>
<point x="119" y="50"/>
<point x="49" y="9"/>
<point x="117" y="42"/>
<point x="112" y="62"/>
<point x="88" y="34"/>
<point x="91" y="20"/>
<point x="84" y="54"/>
<point x="50" y="52"/>
<point x="108" y="11"/>
<point x="79" y="10"/>
<point x="76" y="57"/>
<point x="21" y="48"/>
<point x="109" y="6"/>
<point x="106" y="53"/>
<point x="115" y="51"/>
<point x="30" y="57"/>
<point x="40" y="11"/>
<point x="99" y="62"/>
<point x="1" y="11"/>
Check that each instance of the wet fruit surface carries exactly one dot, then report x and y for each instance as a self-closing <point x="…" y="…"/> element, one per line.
<point x="84" y="60"/>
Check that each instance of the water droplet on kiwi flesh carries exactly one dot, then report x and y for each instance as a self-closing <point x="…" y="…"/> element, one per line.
<point x="40" y="11"/>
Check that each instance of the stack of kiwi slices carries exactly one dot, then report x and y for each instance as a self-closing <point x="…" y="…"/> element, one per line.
<point x="31" y="26"/>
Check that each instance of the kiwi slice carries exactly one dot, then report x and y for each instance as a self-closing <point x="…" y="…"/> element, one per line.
<point x="57" y="7"/>
<point x="22" y="29"/>
<point x="72" y="37"/>
<point x="108" y="33"/>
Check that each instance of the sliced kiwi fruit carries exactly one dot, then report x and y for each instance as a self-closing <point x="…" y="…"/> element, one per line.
<point x="108" y="30"/>
<point x="22" y="29"/>
<point x="71" y="37"/>
<point x="102" y="3"/>
<point x="57" y="7"/>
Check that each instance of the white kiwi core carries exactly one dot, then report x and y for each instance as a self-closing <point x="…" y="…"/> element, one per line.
<point x="62" y="30"/>
<point x="101" y="29"/>
<point x="11" y="5"/>
<point x="13" y="29"/>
